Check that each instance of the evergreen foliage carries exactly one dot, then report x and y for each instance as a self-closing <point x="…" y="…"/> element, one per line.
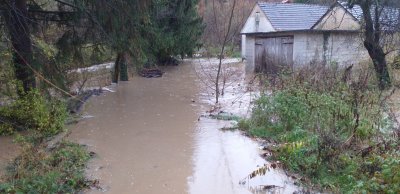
<point x="145" y="30"/>
<point x="175" y="28"/>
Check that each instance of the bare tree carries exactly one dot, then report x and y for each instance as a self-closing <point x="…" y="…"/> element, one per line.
<point x="380" y="22"/>
<point x="216" y="14"/>
<point x="217" y="89"/>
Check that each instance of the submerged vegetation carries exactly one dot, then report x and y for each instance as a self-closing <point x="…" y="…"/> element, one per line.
<point x="332" y="127"/>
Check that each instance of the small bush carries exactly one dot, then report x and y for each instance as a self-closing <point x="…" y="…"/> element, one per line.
<point x="243" y="124"/>
<point x="33" y="112"/>
<point x="6" y="129"/>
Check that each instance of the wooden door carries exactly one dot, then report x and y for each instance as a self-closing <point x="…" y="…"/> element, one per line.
<point x="259" y="58"/>
<point x="274" y="54"/>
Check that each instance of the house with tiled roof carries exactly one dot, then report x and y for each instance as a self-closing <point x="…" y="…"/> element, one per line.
<point x="286" y="35"/>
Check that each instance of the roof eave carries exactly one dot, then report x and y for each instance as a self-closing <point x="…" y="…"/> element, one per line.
<point x="302" y="30"/>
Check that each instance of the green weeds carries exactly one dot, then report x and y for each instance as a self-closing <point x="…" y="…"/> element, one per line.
<point x="58" y="171"/>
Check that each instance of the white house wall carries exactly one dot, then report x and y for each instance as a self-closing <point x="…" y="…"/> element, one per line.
<point x="341" y="48"/>
<point x="307" y="47"/>
<point x="346" y="49"/>
<point x="264" y="25"/>
<point x="338" y="19"/>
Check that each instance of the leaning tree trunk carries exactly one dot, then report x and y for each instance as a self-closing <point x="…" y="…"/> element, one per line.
<point x="380" y="65"/>
<point x="372" y="43"/>
<point x="16" y="17"/>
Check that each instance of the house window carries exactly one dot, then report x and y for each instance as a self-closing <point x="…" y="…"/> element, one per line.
<point x="257" y="20"/>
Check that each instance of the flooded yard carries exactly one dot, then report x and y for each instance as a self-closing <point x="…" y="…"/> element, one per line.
<point x="142" y="134"/>
<point x="154" y="136"/>
<point x="224" y="158"/>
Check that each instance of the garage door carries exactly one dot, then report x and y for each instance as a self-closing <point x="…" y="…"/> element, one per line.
<point x="274" y="54"/>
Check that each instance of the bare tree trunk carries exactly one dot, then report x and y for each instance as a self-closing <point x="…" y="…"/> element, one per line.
<point x="217" y="92"/>
<point x="117" y="68"/>
<point x="372" y="35"/>
<point x="380" y="66"/>
<point x="120" y="68"/>
<point x="16" y="17"/>
<point x="124" y="68"/>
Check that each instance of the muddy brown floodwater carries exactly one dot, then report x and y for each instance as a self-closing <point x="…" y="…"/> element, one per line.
<point x="148" y="139"/>
<point x="142" y="134"/>
<point x="9" y="151"/>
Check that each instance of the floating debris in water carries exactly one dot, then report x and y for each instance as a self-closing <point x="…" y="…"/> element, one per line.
<point x="151" y="73"/>
<point x="74" y="105"/>
<point x="87" y="116"/>
<point x="223" y="116"/>
<point x="108" y="89"/>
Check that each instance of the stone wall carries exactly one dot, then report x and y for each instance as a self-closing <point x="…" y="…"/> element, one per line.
<point x="307" y="47"/>
<point x="323" y="47"/>
<point x="92" y="77"/>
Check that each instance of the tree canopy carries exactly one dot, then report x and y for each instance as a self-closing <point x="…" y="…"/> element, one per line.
<point x="77" y="31"/>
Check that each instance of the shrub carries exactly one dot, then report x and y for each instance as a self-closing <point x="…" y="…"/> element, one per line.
<point x="322" y="120"/>
<point x="383" y="173"/>
<point x="33" y="112"/>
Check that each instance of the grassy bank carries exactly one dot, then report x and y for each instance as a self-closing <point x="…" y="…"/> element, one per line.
<point x="60" y="170"/>
<point x="330" y="126"/>
<point x="38" y="168"/>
